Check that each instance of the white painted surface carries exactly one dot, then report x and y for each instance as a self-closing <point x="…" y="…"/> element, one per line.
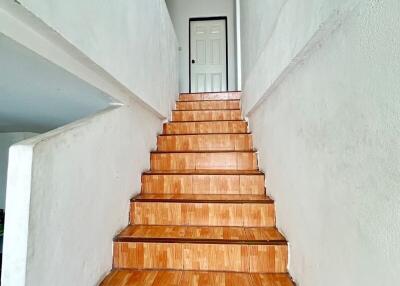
<point x="208" y="56"/>
<point x="130" y="43"/>
<point x="83" y="176"/>
<point x="6" y="140"/>
<point x="238" y="46"/>
<point x="180" y="12"/>
<point x="37" y="95"/>
<point x="328" y="137"/>
<point x="275" y="41"/>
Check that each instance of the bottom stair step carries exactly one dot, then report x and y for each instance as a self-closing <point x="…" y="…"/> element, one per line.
<point x="193" y="278"/>
<point x="236" y="249"/>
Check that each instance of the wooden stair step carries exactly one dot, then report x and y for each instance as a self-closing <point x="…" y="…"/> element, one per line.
<point x="205" y="105"/>
<point x="204" y="182"/>
<point x="204" y="127"/>
<point x="204" y="142"/>
<point x="204" y="115"/>
<point x="193" y="278"/>
<point x="204" y="172"/>
<point x="218" y="159"/>
<point x="202" y="235"/>
<point x="261" y="250"/>
<point x="197" y="210"/>
<point x="209" y="96"/>
<point x="203" y="198"/>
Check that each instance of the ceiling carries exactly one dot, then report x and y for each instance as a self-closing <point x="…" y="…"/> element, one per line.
<point x="37" y="96"/>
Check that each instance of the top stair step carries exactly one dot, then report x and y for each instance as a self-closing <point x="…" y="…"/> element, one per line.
<point x="235" y="95"/>
<point x="208" y="105"/>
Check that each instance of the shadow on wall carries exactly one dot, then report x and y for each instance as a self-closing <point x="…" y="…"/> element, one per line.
<point x="36" y="96"/>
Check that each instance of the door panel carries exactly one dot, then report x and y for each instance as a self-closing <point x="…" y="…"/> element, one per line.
<point x="208" y="56"/>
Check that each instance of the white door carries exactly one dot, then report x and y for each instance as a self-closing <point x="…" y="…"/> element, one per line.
<point x="208" y="56"/>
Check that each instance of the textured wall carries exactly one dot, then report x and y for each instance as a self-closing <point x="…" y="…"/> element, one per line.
<point x="134" y="41"/>
<point x="328" y="137"/>
<point x="6" y="140"/>
<point x="62" y="219"/>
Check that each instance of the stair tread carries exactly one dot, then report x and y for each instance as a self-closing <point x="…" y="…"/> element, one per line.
<point x="204" y="134"/>
<point x="203" y="198"/>
<point x="204" y="172"/>
<point x="201" y="234"/>
<point x="198" y="278"/>
<point x="207" y="110"/>
<point x="204" y="151"/>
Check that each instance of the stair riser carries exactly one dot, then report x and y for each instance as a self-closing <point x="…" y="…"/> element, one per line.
<point x="182" y="105"/>
<point x="206" y="115"/>
<point x="203" y="214"/>
<point x="210" y="96"/>
<point x="227" y="142"/>
<point x="204" y="257"/>
<point x="207" y="161"/>
<point x="205" y="127"/>
<point x="204" y="184"/>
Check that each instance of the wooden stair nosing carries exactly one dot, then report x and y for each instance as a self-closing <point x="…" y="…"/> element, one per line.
<point x="164" y="238"/>
<point x="216" y="120"/>
<point x="216" y="92"/>
<point x="140" y="198"/>
<point x="210" y="172"/>
<point x="204" y="134"/>
<point x="212" y="109"/>
<point x="207" y="100"/>
<point x="203" y="151"/>
<point x="199" y="241"/>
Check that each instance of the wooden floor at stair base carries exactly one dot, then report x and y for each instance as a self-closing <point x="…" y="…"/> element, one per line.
<point x="205" y="127"/>
<point x="203" y="257"/>
<point x="204" y="105"/>
<point x="204" y="161"/>
<point x="193" y="278"/>
<point x="203" y="142"/>
<point x="206" y="115"/>
<point x="203" y="184"/>
<point x="203" y="214"/>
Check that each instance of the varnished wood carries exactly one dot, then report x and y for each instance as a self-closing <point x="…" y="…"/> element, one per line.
<point x="203" y="160"/>
<point x="203" y="214"/>
<point x="203" y="198"/>
<point x="198" y="182"/>
<point x="206" y="115"/>
<point x="203" y="142"/>
<point x="202" y="234"/>
<point x="201" y="256"/>
<point x="205" y="127"/>
<point x="193" y="278"/>
<point x="210" y="96"/>
<point x="203" y="206"/>
<point x="219" y="104"/>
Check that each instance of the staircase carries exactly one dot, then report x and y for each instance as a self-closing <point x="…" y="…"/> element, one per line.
<point x="202" y="217"/>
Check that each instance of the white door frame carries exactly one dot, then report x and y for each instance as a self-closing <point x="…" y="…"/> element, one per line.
<point x="190" y="48"/>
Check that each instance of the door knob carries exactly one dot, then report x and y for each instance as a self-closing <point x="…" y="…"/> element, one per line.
<point x="193" y="61"/>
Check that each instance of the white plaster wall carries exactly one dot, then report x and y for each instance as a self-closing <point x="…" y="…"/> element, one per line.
<point x="6" y="140"/>
<point x="180" y="12"/>
<point x="328" y="137"/>
<point x="133" y="41"/>
<point x="63" y="219"/>
<point x="258" y="21"/>
<point x="269" y="52"/>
